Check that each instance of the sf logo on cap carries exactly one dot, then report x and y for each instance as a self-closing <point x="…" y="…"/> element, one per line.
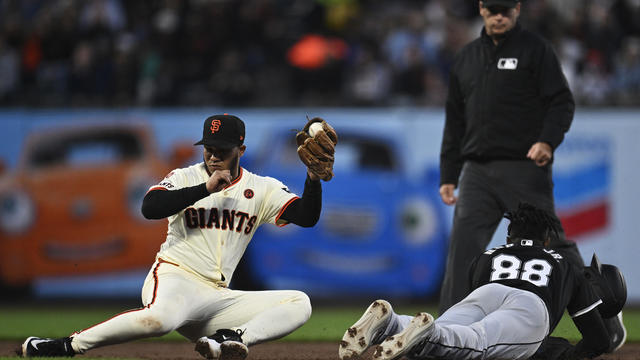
<point x="215" y="125"/>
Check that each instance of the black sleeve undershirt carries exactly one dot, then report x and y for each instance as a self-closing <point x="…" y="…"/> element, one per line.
<point x="305" y="211"/>
<point x="595" y="338"/>
<point x="159" y="204"/>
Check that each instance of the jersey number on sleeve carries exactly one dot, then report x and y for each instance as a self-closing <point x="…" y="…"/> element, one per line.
<point x="535" y="271"/>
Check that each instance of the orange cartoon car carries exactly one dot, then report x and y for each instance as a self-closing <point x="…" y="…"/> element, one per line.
<point x="72" y="207"/>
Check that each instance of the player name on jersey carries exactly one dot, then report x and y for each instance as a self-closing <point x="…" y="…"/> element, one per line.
<point x="225" y="220"/>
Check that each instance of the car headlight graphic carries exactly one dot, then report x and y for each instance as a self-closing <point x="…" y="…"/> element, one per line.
<point x="17" y="212"/>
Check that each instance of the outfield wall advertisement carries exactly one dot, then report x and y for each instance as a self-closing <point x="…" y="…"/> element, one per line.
<point x="382" y="219"/>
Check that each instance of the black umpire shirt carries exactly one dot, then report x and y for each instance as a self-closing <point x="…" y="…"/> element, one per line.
<point x="502" y="99"/>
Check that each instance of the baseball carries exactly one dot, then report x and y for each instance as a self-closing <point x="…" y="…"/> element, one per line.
<point x="314" y="128"/>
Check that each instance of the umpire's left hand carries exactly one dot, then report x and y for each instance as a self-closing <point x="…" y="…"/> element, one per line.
<point x="540" y="153"/>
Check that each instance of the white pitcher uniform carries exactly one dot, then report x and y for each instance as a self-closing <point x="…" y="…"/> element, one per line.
<point x="187" y="287"/>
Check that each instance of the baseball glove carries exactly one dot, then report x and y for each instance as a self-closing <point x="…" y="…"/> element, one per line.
<point x="317" y="152"/>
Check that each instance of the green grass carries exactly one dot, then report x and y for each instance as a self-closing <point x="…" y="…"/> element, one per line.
<point x="326" y="323"/>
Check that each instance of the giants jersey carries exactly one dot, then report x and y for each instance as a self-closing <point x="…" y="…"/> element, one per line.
<point x="539" y="270"/>
<point x="209" y="237"/>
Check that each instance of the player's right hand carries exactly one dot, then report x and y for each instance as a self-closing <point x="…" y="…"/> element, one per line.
<point x="447" y="194"/>
<point x="218" y="180"/>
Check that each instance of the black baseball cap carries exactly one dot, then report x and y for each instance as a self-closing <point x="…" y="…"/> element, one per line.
<point x="505" y="3"/>
<point x="222" y="132"/>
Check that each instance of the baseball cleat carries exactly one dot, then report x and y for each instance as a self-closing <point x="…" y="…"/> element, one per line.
<point x="209" y="349"/>
<point x="225" y="344"/>
<point x="233" y="350"/>
<point x="41" y="347"/>
<point x="368" y="330"/>
<point x="394" y="347"/>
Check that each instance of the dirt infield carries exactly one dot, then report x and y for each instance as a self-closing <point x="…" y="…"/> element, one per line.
<point x="278" y="350"/>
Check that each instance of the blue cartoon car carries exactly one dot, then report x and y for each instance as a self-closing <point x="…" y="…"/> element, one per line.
<point x="382" y="231"/>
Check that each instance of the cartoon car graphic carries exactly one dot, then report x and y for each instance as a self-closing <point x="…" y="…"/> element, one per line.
<point x="381" y="231"/>
<point x="72" y="207"/>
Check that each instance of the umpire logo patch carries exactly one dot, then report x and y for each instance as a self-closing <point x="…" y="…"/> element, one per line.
<point x="507" y="63"/>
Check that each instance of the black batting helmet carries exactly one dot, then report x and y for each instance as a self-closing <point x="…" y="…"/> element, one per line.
<point x="609" y="284"/>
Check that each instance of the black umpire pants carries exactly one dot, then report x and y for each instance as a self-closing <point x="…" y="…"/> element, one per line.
<point x="486" y="190"/>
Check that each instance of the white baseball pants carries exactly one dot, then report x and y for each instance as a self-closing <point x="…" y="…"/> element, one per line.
<point x="175" y="299"/>
<point x="493" y="322"/>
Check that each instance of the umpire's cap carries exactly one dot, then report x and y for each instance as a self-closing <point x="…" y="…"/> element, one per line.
<point x="609" y="284"/>
<point x="222" y="132"/>
<point x="505" y="3"/>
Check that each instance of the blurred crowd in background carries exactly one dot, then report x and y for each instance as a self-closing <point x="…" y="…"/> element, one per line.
<point x="75" y="53"/>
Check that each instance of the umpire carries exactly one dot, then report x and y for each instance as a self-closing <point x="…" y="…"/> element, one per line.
<point x="507" y="110"/>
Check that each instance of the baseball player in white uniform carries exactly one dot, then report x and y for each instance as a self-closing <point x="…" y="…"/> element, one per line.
<point x="213" y="209"/>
